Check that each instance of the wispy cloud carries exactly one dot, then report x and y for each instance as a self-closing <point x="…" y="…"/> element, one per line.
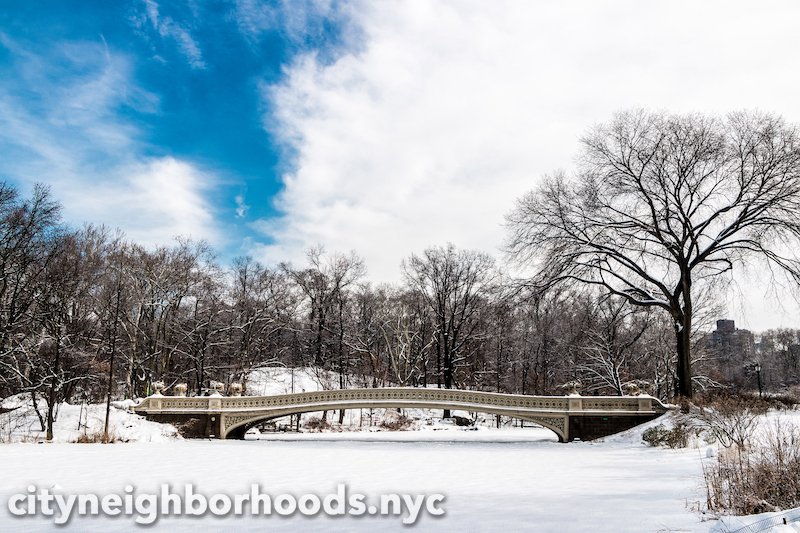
<point x="67" y="131"/>
<point x="168" y="28"/>
<point x="241" y="206"/>
<point x="300" y="21"/>
<point x="254" y="17"/>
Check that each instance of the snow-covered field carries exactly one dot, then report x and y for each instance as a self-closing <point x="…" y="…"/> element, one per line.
<point x="513" y="479"/>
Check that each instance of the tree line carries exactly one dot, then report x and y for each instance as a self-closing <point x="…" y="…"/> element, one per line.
<point x="627" y="255"/>
<point x="85" y="312"/>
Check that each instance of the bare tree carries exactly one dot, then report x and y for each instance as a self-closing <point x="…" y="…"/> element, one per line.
<point x="455" y="284"/>
<point x="612" y="344"/>
<point x="264" y="303"/>
<point x="322" y="283"/>
<point x="26" y="230"/>
<point x="406" y="334"/>
<point x="70" y="276"/>
<point x="325" y="283"/>
<point x="662" y="207"/>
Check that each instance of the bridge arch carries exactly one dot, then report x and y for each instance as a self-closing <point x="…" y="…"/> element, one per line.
<point x="234" y="426"/>
<point x="569" y="417"/>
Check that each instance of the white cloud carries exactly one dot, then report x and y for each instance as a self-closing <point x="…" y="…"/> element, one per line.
<point x="154" y="202"/>
<point x="241" y="206"/>
<point x="450" y="110"/>
<point x="74" y="141"/>
<point x="169" y="28"/>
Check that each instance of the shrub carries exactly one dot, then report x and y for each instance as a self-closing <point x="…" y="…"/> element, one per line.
<point x="97" y="438"/>
<point x="192" y="428"/>
<point x="764" y="477"/>
<point x="316" y="423"/>
<point x="782" y="400"/>
<point x="397" y="423"/>
<point x="730" y="418"/>
<point x="676" y="437"/>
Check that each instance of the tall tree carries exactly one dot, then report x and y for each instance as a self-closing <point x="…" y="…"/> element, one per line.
<point x="613" y="344"/>
<point x="662" y="207"/>
<point x="455" y="284"/>
<point x="27" y="230"/>
<point x="323" y="283"/>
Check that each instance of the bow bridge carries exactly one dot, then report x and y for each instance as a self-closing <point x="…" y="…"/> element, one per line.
<point x="570" y="417"/>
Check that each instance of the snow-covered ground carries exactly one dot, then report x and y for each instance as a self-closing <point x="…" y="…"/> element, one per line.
<point x="493" y="481"/>
<point x="281" y="380"/>
<point x="515" y="479"/>
<point x="21" y="424"/>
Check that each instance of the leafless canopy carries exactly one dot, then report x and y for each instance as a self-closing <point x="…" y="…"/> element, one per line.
<point x="454" y="283"/>
<point x="662" y="206"/>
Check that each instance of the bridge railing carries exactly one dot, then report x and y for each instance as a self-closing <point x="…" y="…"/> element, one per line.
<point x="404" y="395"/>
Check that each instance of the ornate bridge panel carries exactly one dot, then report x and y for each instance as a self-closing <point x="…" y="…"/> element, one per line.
<point x="570" y="417"/>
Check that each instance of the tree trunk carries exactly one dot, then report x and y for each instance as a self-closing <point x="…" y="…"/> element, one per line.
<point x="341" y="355"/>
<point x="53" y="396"/>
<point x="439" y="363"/>
<point x="318" y="359"/>
<point x="110" y="389"/>
<point x="448" y="376"/>
<point x="42" y="421"/>
<point x="683" y="330"/>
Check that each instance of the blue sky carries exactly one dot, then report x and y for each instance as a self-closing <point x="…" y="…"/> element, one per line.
<point x="121" y="84"/>
<point x="270" y="126"/>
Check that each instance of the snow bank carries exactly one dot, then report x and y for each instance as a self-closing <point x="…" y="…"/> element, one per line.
<point x="765" y="522"/>
<point x="21" y="424"/>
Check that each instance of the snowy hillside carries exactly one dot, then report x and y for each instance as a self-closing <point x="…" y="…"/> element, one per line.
<point x="281" y="380"/>
<point x="21" y="424"/>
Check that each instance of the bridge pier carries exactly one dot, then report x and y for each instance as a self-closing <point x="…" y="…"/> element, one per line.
<point x="590" y="427"/>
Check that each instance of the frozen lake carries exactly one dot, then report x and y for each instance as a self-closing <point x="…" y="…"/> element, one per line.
<point x="494" y="480"/>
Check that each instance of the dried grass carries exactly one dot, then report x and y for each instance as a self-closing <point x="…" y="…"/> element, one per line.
<point x="762" y="476"/>
<point x="98" y="438"/>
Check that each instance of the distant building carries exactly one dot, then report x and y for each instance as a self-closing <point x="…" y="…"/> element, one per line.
<point x="731" y="348"/>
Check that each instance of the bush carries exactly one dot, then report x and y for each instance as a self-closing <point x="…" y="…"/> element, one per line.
<point x="192" y="428"/>
<point x="730" y="418"/>
<point x="782" y="400"/>
<point x="764" y="477"/>
<point x="316" y="423"/>
<point x="396" y="423"/>
<point x="97" y="438"/>
<point x="676" y="437"/>
<point x="462" y="421"/>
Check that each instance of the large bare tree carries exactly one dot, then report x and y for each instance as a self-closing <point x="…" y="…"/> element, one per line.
<point x="662" y="207"/>
<point x="455" y="284"/>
